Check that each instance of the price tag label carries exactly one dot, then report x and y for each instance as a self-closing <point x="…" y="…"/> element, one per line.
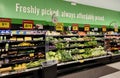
<point x="31" y="54"/>
<point x="5" y="23"/>
<point x="14" y="32"/>
<point x="75" y="27"/>
<point x="104" y="28"/>
<point x="87" y="28"/>
<point x="81" y="61"/>
<point x="3" y="32"/>
<point x="28" y="24"/>
<point x="21" y="32"/>
<point x="59" y="27"/>
<point x="116" y="29"/>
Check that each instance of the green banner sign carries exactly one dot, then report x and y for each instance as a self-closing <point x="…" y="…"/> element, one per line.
<point x="42" y="10"/>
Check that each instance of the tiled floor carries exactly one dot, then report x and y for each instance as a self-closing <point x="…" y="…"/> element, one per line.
<point x="108" y="71"/>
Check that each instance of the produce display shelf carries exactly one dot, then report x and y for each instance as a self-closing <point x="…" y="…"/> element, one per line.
<point x="19" y="62"/>
<point x="62" y="35"/>
<point x="112" y="35"/>
<point x="115" y="45"/>
<point x="13" y="73"/>
<point x="20" y="34"/>
<point x="97" y="57"/>
<point x="72" y="35"/>
<point x="95" y="35"/>
<point x="26" y="34"/>
<point x="115" y="50"/>
<point x="18" y="55"/>
<point x="34" y="47"/>
<point x="115" y="54"/>
<point x="7" y="41"/>
<point x="4" y="41"/>
<point x="5" y="34"/>
<point x="73" y="47"/>
<point x="74" y="41"/>
<point x="13" y="56"/>
<point x="78" y="61"/>
<point x="25" y="41"/>
<point x="111" y="38"/>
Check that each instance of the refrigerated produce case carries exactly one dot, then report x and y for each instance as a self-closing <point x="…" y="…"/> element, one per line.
<point x="73" y="51"/>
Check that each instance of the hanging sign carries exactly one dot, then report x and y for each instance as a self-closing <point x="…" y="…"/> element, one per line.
<point x="5" y="23"/>
<point x="104" y="29"/>
<point x="28" y="24"/>
<point x="87" y="27"/>
<point x="75" y="27"/>
<point x="59" y="27"/>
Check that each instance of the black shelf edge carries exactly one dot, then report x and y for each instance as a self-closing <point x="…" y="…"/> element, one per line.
<point x="75" y="41"/>
<point x="20" y="62"/>
<point x="34" y="47"/>
<point x="26" y="41"/>
<point x="112" y="35"/>
<point x="78" y="61"/>
<point x="8" y="41"/>
<point x="112" y="38"/>
<point x="14" y="72"/>
<point x="19" y="34"/>
<point x="73" y="47"/>
<point x="72" y="35"/>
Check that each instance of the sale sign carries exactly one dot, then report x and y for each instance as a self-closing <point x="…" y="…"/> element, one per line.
<point x="87" y="27"/>
<point x="5" y="23"/>
<point x="59" y="27"/>
<point x="104" y="29"/>
<point x="75" y="27"/>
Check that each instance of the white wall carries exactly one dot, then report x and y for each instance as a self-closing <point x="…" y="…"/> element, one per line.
<point x="108" y="4"/>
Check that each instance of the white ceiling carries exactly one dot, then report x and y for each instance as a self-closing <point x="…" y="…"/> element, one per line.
<point x="107" y="4"/>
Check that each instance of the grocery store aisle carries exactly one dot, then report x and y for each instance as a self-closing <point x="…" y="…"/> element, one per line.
<point x="107" y="71"/>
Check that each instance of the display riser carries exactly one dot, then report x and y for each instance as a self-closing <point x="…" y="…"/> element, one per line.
<point x="32" y="74"/>
<point x="68" y="68"/>
<point x="115" y="58"/>
<point x="82" y="66"/>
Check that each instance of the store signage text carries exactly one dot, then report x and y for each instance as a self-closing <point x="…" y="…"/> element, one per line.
<point x="20" y="8"/>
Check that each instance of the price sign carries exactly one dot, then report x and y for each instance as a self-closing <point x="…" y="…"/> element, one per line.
<point x="87" y="28"/>
<point x="5" y="23"/>
<point x="75" y="27"/>
<point x="104" y="28"/>
<point x="116" y="29"/>
<point x="59" y="27"/>
<point x="31" y="54"/>
<point x="28" y="24"/>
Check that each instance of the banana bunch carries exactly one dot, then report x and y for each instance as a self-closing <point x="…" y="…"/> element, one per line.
<point x="25" y="44"/>
<point x="20" y="67"/>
